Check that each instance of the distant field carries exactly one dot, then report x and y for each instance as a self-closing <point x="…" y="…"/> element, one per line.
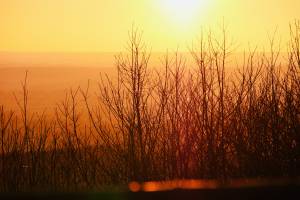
<point x="47" y="86"/>
<point x="51" y="75"/>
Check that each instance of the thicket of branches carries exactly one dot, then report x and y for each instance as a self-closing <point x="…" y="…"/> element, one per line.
<point x="177" y="122"/>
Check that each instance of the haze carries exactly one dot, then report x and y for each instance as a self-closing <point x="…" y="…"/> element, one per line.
<point x="102" y="25"/>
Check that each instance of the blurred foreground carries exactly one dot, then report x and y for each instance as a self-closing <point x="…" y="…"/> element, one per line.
<point x="185" y="189"/>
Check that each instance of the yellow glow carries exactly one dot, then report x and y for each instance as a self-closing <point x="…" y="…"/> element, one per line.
<point x="184" y="12"/>
<point x="103" y="25"/>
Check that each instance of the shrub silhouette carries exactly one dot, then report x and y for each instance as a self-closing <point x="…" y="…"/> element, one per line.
<point x="177" y="122"/>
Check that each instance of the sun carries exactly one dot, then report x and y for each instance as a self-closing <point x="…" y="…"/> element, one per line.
<point x="184" y="12"/>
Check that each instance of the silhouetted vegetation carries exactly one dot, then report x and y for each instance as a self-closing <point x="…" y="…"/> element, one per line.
<point x="176" y="122"/>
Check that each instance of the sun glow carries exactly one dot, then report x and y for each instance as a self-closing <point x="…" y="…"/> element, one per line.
<point x="184" y="12"/>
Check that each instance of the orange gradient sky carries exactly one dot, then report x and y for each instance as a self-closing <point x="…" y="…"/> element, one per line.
<point x="102" y="25"/>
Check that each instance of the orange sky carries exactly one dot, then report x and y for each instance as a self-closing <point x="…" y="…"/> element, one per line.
<point x="102" y="25"/>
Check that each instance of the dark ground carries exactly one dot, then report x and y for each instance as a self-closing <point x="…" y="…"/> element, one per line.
<point x="274" y="189"/>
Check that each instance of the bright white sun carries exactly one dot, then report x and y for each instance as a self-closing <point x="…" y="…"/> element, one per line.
<point x="184" y="12"/>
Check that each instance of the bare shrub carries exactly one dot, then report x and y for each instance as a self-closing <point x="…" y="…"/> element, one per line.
<point x="182" y="121"/>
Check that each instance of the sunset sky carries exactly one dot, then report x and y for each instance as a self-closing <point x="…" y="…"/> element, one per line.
<point x="103" y="25"/>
